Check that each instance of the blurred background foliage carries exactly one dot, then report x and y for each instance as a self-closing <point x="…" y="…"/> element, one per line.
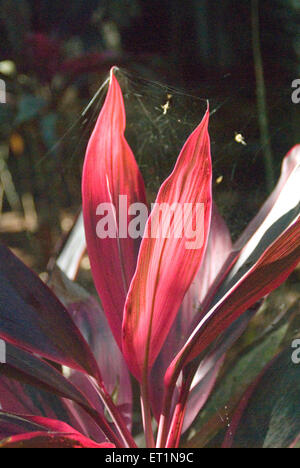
<point x="54" y="56"/>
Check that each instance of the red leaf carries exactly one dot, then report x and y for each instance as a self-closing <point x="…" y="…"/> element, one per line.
<point x="286" y="189"/>
<point x="167" y="265"/>
<point x="13" y="398"/>
<point x="52" y="440"/>
<point x="88" y="315"/>
<point x="110" y="170"/>
<point x="33" y="319"/>
<point x="218" y="247"/>
<point x="12" y="424"/>
<point x="68" y="403"/>
<point x="43" y="433"/>
<point x="271" y="269"/>
<point x="32" y="370"/>
<point x="277" y="213"/>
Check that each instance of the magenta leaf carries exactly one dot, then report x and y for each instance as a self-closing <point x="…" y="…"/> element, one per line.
<point x="52" y="440"/>
<point x="33" y="319"/>
<point x="29" y="369"/>
<point x="39" y="432"/>
<point x="111" y="184"/>
<point x="32" y="378"/>
<point x="277" y="213"/>
<point x="282" y="199"/>
<point x="190" y="312"/>
<point x="14" y="423"/>
<point x="88" y="315"/>
<point x="270" y="270"/>
<point x="23" y="399"/>
<point x="167" y="264"/>
<point x="218" y="249"/>
<point x="73" y="440"/>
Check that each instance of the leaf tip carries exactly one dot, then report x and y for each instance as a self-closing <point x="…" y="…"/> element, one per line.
<point x="113" y="70"/>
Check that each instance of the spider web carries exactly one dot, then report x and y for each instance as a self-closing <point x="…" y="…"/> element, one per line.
<point x="159" y="120"/>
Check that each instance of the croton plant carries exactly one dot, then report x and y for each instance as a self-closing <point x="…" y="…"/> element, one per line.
<point x="167" y="317"/>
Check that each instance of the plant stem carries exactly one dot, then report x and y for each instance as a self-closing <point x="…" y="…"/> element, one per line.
<point x="146" y="413"/>
<point x="164" y="421"/>
<point x="171" y="378"/>
<point x="105" y="427"/>
<point x="179" y="413"/>
<point x="119" y="422"/>
<point x="261" y="97"/>
<point x="116" y="417"/>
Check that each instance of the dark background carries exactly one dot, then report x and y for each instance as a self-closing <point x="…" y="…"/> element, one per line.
<point x="60" y="52"/>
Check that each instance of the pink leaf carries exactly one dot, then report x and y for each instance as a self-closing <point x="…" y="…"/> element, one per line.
<point x="33" y="319"/>
<point x="88" y="315"/>
<point x="167" y="265"/>
<point x="218" y="247"/>
<point x="42" y="432"/>
<point x="277" y="213"/>
<point x="270" y="270"/>
<point x="285" y="189"/>
<point x="110" y="170"/>
<point x="52" y="440"/>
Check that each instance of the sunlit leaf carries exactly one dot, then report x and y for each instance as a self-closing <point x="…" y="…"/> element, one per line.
<point x="110" y="171"/>
<point x="167" y="265"/>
